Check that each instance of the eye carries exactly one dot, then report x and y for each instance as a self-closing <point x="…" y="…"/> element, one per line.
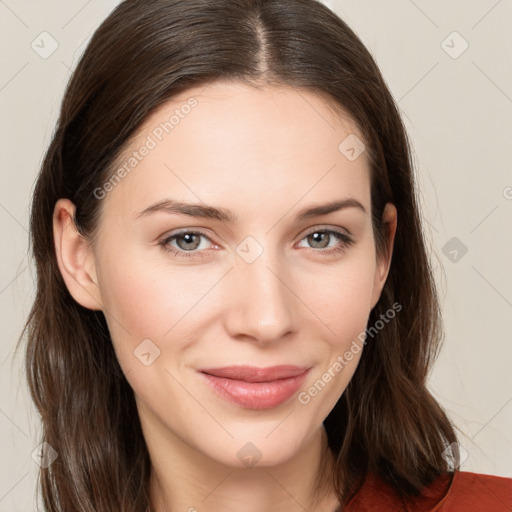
<point x="321" y="238"/>
<point x="187" y="242"/>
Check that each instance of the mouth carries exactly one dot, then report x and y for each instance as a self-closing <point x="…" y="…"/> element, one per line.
<point x="251" y="387"/>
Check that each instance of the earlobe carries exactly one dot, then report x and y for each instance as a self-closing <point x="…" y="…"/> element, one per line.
<point x="75" y="257"/>
<point x="389" y="220"/>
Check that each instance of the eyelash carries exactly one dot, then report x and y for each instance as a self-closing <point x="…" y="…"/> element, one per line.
<point x="346" y="240"/>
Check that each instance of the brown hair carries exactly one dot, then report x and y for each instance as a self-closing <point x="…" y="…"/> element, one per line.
<point x="144" y="53"/>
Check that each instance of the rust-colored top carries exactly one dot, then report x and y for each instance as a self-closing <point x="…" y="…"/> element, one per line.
<point x="465" y="492"/>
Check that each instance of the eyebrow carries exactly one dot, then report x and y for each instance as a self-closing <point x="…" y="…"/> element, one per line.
<point x="210" y="212"/>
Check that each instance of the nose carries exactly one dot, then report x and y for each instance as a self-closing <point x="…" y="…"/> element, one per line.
<point x="262" y="306"/>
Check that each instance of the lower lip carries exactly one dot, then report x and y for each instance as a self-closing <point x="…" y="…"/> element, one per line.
<point x="256" y="395"/>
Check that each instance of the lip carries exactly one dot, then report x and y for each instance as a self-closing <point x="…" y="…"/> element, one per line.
<point x="252" y="387"/>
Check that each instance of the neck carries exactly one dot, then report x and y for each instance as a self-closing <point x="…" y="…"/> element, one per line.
<point x="182" y="479"/>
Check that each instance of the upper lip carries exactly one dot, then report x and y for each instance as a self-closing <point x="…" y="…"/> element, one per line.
<point x="257" y="374"/>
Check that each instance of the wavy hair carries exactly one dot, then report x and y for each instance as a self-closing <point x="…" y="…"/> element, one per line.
<point x="144" y="53"/>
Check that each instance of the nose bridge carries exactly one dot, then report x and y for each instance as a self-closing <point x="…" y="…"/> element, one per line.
<point x="262" y="305"/>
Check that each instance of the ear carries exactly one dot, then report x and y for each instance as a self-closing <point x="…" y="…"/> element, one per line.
<point x="75" y="257"/>
<point x="389" y="220"/>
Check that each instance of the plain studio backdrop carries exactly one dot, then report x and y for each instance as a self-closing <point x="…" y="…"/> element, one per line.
<point x="448" y="65"/>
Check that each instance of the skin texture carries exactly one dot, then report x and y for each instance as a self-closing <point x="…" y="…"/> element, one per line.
<point x="264" y="155"/>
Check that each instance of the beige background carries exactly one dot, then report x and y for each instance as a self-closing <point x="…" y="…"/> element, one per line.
<point x="457" y="107"/>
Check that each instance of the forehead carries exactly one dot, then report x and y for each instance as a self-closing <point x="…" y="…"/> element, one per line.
<point x="231" y="140"/>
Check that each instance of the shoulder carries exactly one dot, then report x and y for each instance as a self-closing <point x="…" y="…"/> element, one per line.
<point x="479" y="492"/>
<point x="461" y="490"/>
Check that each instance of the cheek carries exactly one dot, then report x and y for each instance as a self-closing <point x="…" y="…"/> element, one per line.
<point x="345" y="311"/>
<point x="148" y="298"/>
<point x="341" y="298"/>
<point x="152" y="299"/>
<point x="342" y="303"/>
<point x="178" y="305"/>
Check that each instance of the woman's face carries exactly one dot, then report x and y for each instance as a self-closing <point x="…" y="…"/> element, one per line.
<point x="260" y="284"/>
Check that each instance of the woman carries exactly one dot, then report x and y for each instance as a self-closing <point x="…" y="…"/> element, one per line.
<point x="235" y="308"/>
